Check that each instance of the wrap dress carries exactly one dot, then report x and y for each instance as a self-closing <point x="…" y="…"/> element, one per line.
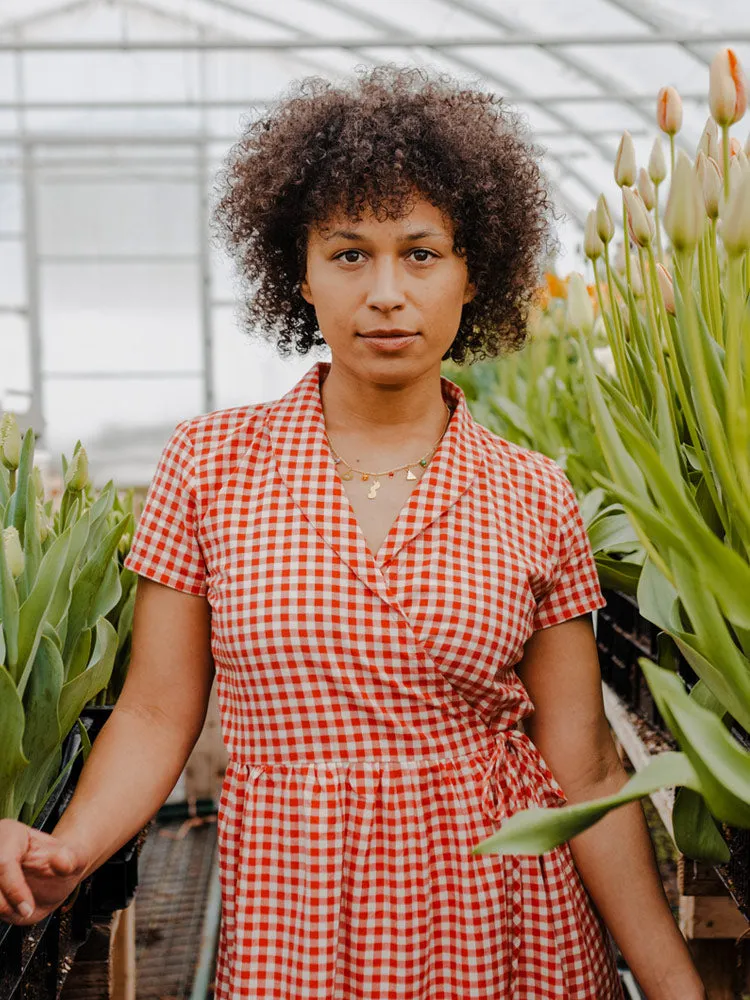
<point x="371" y="712"/>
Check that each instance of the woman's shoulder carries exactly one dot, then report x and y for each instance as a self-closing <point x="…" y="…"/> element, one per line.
<point x="530" y="473"/>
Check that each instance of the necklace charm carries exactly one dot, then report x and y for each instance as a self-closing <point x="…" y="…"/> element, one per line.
<point x="346" y="476"/>
<point x="373" y="490"/>
<point x="410" y="475"/>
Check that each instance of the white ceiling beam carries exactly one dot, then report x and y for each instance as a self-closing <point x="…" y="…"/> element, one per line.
<point x="395" y="40"/>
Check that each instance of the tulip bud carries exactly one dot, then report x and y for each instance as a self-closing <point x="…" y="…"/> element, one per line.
<point x="38" y="481"/>
<point x="77" y="473"/>
<point x="709" y="140"/>
<point x="685" y="215"/>
<point x="592" y="244"/>
<point x="640" y="223"/>
<point x="604" y="225"/>
<point x="711" y="187"/>
<point x="657" y="165"/>
<point x="735" y="224"/>
<point x="669" y="110"/>
<point x="646" y="189"/>
<point x="10" y="441"/>
<point x="42" y="524"/>
<point x="625" y="161"/>
<point x="727" y="90"/>
<point x="13" y="552"/>
<point x="747" y="145"/>
<point x="667" y="287"/>
<point x="579" y="313"/>
<point x="619" y="261"/>
<point x="605" y="358"/>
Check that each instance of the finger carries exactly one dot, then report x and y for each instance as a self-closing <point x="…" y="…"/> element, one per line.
<point x="14" y="888"/>
<point x="50" y="856"/>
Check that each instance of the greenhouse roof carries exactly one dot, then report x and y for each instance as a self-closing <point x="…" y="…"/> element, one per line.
<point x="581" y="71"/>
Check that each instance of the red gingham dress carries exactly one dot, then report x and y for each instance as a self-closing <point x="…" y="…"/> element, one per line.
<point x="371" y="711"/>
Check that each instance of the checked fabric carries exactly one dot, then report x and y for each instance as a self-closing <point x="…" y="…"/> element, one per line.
<point x="371" y="710"/>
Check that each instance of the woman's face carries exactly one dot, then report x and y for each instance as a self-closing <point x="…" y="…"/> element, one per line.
<point x="399" y="274"/>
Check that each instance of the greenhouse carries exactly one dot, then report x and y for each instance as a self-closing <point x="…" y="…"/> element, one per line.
<point x="275" y="725"/>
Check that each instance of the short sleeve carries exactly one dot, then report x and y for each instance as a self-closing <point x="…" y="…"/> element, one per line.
<point x="165" y="545"/>
<point x="575" y="589"/>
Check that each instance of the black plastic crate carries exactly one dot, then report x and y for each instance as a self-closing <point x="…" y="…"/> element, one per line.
<point x="622" y="636"/>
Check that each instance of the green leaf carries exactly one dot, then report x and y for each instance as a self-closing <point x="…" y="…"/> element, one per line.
<point x="695" y="831"/>
<point x="658" y="601"/>
<point x="9" y="612"/>
<point x="23" y="474"/>
<point x="721" y="764"/>
<point x="86" y="602"/>
<point x="33" y="612"/>
<point x="79" y="691"/>
<point x="41" y="735"/>
<point x="535" y="830"/>
<point x="12" y="759"/>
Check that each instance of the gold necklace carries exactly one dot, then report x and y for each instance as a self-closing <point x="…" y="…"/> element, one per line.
<point x="375" y="476"/>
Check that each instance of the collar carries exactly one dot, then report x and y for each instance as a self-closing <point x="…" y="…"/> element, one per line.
<point x="295" y="424"/>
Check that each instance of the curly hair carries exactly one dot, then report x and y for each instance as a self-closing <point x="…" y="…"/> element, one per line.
<point x="322" y="148"/>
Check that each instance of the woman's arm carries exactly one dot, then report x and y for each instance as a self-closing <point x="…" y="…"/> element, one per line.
<point x="561" y="673"/>
<point x="138" y="756"/>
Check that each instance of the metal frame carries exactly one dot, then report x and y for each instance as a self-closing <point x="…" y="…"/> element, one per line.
<point x="504" y="31"/>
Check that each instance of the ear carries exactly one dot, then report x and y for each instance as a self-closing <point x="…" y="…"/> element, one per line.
<point x="469" y="291"/>
<point x="304" y="288"/>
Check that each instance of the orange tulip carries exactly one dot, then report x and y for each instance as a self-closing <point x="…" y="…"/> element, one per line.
<point x="557" y="287"/>
<point x="727" y="92"/>
<point x="669" y="110"/>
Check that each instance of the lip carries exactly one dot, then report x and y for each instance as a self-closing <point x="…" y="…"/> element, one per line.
<point x="390" y="341"/>
<point x="381" y="332"/>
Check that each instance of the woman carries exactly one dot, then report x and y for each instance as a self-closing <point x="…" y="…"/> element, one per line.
<point x="394" y="600"/>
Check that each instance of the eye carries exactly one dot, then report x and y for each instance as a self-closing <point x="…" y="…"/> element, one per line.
<point x="340" y="256"/>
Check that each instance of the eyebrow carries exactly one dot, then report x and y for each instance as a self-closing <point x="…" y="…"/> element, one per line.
<point x="349" y="234"/>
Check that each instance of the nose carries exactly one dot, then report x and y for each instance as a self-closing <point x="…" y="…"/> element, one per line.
<point x="385" y="290"/>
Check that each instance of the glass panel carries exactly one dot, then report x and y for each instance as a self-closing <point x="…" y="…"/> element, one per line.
<point x="250" y="371"/>
<point x="15" y="371"/>
<point x="125" y="218"/>
<point x="123" y="439"/>
<point x="12" y="273"/>
<point x="112" y="317"/>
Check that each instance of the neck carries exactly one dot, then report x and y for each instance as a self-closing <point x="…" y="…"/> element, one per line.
<point x="383" y="423"/>
<point x="349" y="404"/>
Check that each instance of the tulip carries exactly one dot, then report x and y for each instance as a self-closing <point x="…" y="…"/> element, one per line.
<point x="727" y="91"/>
<point x="646" y="189"/>
<point x="735" y="223"/>
<point x="711" y="187"/>
<point x="77" y="473"/>
<point x="619" y="260"/>
<point x="657" y="165"/>
<point x="42" y="524"/>
<point x="579" y="313"/>
<point x="593" y="246"/>
<point x="606" y="359"/>
<point x="14" y="556"/>
<point x="10" y="442"/>
<point x="625" y="161"/>
<point x="685" y="215"/>
<point x="667" y="287"/>
<point x="669" y="110"/>
<point x="640" y="223"/>
<point x="747" y="145"/>
<point x="709" y="140"/>
<point x="604" y="225"/>
<point x="636" y="281"/>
